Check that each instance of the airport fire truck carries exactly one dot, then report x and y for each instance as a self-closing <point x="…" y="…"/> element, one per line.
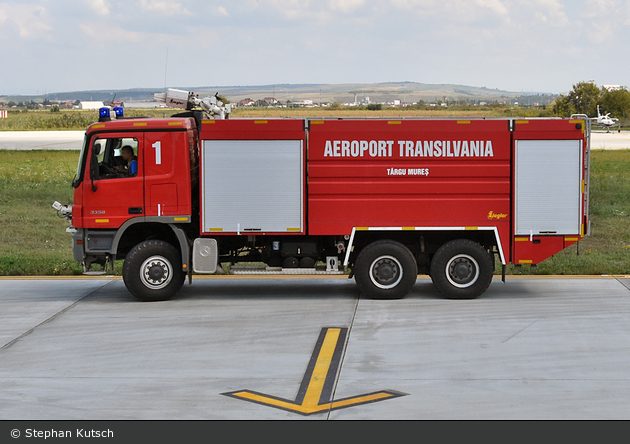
<point x="382" y="199"/>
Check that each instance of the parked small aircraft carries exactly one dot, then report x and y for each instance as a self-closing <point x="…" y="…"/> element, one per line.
<point x="606" y="121"/>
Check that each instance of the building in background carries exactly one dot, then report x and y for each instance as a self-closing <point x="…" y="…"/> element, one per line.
<point x="90" y="105"/>
<point x="143" y="105"/>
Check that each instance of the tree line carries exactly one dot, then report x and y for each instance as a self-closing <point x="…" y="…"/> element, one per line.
<point x="584" y="98"/>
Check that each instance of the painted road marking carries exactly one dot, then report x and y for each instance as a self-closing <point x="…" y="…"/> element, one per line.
<point x="316" y="390"/>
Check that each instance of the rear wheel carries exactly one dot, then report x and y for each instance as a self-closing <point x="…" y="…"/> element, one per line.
<point x="385" y="270"/>
<point x="462" y="269"/>
<point x="153" y="271"/>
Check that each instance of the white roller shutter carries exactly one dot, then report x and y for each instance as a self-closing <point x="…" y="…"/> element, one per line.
<point x="548" y="186"/>
<point x="252" y="186"/>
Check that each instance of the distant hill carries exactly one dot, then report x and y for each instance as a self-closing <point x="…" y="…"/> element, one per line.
<point x="377" y="92"/>
<point x="346" y="92"/>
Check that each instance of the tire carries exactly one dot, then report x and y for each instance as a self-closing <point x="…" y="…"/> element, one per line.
<point x="385" y="270"/>
<point x="462" y="269"/>
<point x="153" y="271"/>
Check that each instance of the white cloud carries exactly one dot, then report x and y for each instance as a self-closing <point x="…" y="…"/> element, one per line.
<point x="551" y="12"/>
<point x="28" y="21"/>
<point x="223" y="11"/>
<point x="495" y="6"/>
<point x="453" y="10"/>
<point x="292" y="9"/>
<point x="345" y="5"/>
<point x="101" y="7"/>
<point x="316" y="11"/>
<point x="606" y="19"/>
<point x="164" y="7"/>
<point x="104" y="34"/>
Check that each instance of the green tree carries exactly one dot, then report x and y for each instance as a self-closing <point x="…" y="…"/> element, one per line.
<point x="562" y="107"/>
<point x="584" y="98"/>
<point x="617" y="103"/>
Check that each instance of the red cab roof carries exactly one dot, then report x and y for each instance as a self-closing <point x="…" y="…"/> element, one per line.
<point x="142" y="123"/>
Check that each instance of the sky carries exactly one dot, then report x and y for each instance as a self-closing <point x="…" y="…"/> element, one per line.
<point x="515" y="45"/>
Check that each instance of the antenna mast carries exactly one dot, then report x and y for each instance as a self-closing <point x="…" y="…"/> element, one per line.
<point x="165" y="68"/>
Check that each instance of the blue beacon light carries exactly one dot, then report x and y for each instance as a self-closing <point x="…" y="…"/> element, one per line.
<point x="103" y="115"/>
<point x="118" y="110"/>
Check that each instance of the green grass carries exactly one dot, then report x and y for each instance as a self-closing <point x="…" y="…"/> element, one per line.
<point x="45" y="120"/>
<point x="75" y="119"/>
<point x="78" y="120"/>
<point x="33" y="240"/>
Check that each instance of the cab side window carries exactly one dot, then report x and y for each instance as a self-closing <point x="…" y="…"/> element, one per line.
<point x="117" y="157"/>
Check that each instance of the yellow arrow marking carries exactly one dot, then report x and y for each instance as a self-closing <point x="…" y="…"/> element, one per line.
<point x="314" y="395"/>
<point x="316" y="385"/>
<point x="308" y="410"/>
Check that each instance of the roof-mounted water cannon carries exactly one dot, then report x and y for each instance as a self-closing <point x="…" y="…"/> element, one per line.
<point x="213" y="106"/>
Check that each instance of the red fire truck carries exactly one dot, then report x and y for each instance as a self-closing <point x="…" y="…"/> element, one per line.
<point x="387" y="199"/>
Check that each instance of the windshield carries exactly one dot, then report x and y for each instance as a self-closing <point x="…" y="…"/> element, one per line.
<point x="78" y="177"/>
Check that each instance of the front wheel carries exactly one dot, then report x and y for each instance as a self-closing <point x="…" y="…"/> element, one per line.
<point x="385" y="270"/>
<point x="462" y="269"/>
<point x="153" y="271"/>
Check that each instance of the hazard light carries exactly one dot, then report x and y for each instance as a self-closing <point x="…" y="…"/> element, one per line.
<point x="119" y="112"/>
<point x="103" y="115"/>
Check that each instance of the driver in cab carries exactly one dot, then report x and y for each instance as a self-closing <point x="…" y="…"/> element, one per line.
<point x="131" y="169"/>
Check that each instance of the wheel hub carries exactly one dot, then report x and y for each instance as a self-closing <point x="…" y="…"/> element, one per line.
<point x="386" y="272"/>
<point x="462" y="271"/>
<point x="156" y="272"/>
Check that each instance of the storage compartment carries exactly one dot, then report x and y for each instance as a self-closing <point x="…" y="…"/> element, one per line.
<point x="298" y="248"/>
<point x="101" y="240"/>
<point x="252" y="186"/>
<point x="548" y="187"/>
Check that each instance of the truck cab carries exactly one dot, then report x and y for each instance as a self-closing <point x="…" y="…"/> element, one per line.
<point x="114" y="208"/>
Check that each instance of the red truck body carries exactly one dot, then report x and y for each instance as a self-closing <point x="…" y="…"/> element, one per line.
<point x="295" y="192"/>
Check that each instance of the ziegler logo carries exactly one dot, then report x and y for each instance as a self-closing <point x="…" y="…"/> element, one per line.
<point x="493" y="215"/>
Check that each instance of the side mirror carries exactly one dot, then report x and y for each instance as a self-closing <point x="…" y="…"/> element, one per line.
<point x="94" y="167"/>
